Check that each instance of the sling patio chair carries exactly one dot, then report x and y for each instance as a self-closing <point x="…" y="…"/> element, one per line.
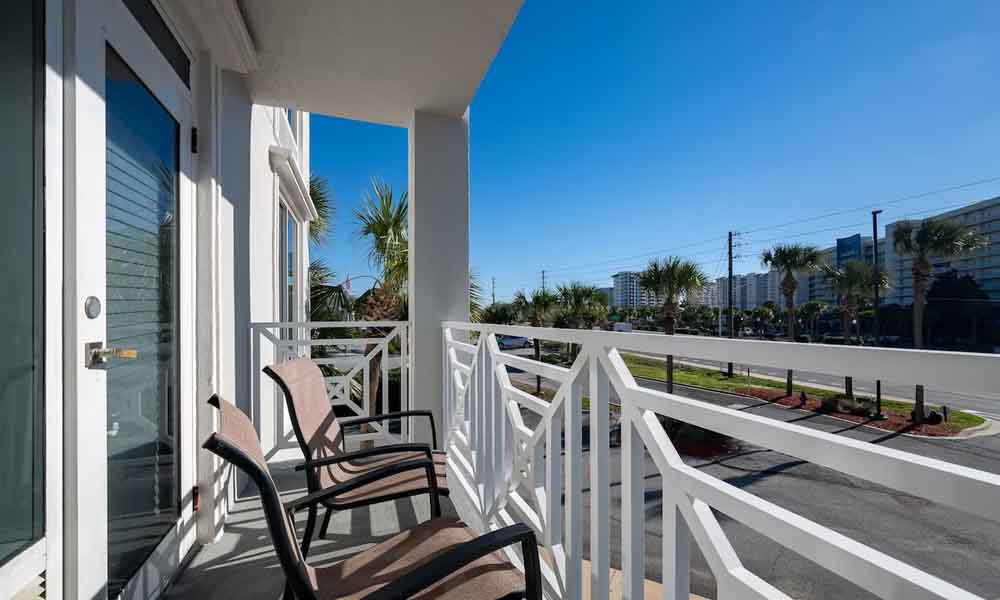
<point x="440" y="558"/>
<point x="326" y="461"/>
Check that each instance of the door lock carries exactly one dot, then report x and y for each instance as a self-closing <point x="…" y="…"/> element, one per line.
<point x="98" y="356"/>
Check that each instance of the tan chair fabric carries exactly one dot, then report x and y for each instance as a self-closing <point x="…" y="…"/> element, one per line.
<point x="320" y="435"/>
<point x="236" y="430"/>
<point x="489" y="577"/>
<point x="402" y="484"/>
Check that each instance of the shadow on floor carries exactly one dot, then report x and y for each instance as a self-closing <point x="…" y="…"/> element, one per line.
<point x="242" y="563"/>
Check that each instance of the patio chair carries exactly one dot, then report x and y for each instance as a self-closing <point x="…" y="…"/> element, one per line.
<point x="321" y="438"/>
<point x="440" y="558"/>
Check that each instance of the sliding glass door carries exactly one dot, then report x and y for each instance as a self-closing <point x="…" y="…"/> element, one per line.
<point x="22" y="522"/>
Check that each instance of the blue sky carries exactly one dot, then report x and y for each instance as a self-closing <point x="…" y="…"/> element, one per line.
<point x="605" y="133"/>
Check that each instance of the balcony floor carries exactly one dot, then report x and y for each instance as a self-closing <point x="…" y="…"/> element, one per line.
<point x="244" y="562"/>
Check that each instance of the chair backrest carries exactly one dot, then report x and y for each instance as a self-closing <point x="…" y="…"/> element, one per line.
<point x="311" y="413"/>
<point x="236" y="442"/>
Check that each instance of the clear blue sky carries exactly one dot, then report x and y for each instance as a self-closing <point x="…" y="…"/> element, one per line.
<point x="603" y="133"/>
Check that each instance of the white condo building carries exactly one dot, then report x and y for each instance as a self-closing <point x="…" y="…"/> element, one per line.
<point x="984" y="265"/>
<point x="627" y="293"/>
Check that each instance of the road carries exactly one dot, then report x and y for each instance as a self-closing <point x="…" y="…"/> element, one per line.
<point x="986" y="406"/>
<point x="957" y="547"/>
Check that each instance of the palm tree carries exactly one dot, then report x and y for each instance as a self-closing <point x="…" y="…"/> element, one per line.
<point x="854" y="282"/>
<point x="322" y="225"/>
<point x="538" y="309"/>
<point x="327" y="301"/>
<point x="581" y="306"/>
<point x="925" y="239"/>
<point x="475" y="298"/>
<point x="671" y="278"/>
<point x="790" y="259"/>
<point x="383" y="219"/>
<point x="811" y="312"/>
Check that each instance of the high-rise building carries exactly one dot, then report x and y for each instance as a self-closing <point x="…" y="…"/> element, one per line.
<point x="627" y="293"/>
<point x="750" y="290"/>
<point x="707" y="295"/>
<point x="983" y="264"/>
<point x="816" y="286"/>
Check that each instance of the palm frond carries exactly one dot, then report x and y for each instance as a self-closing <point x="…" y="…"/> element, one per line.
<point x="322" y="199"/>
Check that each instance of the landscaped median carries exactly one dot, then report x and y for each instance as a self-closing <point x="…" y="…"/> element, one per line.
<point x="815" y="399"/>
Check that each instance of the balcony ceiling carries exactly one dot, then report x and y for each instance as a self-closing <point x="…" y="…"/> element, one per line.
<point x="374" y="60"/>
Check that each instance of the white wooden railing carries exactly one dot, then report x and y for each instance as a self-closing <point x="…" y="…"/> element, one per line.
<point x="512" y="471"/>
<point x="348" y="359"/>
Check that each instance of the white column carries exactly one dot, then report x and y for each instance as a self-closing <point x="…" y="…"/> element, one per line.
<point x="439" y="251"/>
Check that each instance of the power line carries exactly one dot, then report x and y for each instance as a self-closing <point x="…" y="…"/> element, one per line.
<point x="613" y="265"/>
<point x="867" y="207"/>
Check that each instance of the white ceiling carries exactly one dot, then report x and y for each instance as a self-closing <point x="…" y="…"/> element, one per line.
<point x="374" y="60"/>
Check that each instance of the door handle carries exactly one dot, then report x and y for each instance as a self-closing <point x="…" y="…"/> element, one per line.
<point x="98" y="356"/>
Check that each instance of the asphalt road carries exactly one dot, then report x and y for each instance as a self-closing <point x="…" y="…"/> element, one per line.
<point x="986" y="406"/>
<point x="957" y="547"/>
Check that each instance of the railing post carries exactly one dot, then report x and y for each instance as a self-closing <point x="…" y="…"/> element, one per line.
<point x="500" y="426"/>
<point x="573" y="407"/>
<point x="553" y="480"/>
<point x="488" y="420"/>
<point x="404" y="378"/>
<point x="255" y="376"/>
<point x="599" y="490"/>
<point x="446" y="385"/>
<point x="633" y="515"/>
<point x="676" y="550"/>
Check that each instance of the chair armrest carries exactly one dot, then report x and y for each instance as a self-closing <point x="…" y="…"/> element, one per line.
<point x="395" y="415"/>
<point x="364" y="453"/>
<point x="445" y="564"/>
<point x="369" y="477"/>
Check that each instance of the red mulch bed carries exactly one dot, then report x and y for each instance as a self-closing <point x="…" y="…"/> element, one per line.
<point x="893" y="422"/>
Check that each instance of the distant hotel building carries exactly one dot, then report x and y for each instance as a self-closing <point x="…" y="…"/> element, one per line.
<point x="707" y="296"/>
<point x="750" y="290"/>
<point x="984" y="264"/>
<point x="815" y="286"/>
<point x="627" y="293"/>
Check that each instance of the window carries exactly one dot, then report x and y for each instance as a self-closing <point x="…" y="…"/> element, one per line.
<point x="288" y="266"/>
<point x="21" y="319"/>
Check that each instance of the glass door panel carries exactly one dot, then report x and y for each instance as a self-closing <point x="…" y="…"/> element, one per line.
<point x="142" y="317"/>
<point x="21" y="439"/>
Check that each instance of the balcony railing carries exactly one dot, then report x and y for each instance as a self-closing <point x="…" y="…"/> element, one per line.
<point x="348" y="352"/>
<point x="520" y="458"/>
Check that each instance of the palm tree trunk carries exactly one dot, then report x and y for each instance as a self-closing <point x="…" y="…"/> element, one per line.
<point x="790" y="303"/>
<point x="374" y="381"/>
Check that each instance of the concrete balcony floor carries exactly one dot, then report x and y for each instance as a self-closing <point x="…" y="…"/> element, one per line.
<point x="243" y="563"/>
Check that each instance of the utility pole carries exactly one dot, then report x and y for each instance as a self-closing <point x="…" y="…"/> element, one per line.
<point x="494" y="290"/>
<point x="875" y="271"/>
<point x="875" y="284"/>
<point x="729" y="285"/>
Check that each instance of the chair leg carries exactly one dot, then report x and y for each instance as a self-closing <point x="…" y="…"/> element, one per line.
<point x="288" y="594"/>
<point x="326" y="523"/>
<point x="310" y="528"/>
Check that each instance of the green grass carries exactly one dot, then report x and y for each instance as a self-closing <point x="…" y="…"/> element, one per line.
<point x="651" y="368"/>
